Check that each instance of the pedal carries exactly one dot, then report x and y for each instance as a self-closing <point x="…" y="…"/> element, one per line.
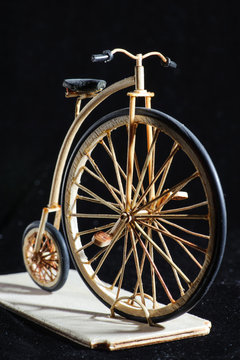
<point x="180" y="195"/>
<point x="102" y="239"/>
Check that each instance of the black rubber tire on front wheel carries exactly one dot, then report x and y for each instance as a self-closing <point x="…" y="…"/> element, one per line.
<point x="209" y="178"/>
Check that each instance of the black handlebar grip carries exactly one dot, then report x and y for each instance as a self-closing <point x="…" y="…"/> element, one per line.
<point x="106" y="56"/>
<point x="169" y="63"/>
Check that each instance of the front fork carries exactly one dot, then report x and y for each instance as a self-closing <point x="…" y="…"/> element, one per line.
<point x="45" y="212"/>
<point x="131" y="143"/>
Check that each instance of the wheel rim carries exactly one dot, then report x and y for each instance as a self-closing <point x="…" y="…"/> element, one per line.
<point x="44" y="267"/>
<point x="175" y="240"/>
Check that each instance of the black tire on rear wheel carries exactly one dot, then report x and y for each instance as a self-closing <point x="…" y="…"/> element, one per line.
<point x="49" y="268"/>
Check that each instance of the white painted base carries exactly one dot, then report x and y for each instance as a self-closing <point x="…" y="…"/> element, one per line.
<point x="76" y="314"/>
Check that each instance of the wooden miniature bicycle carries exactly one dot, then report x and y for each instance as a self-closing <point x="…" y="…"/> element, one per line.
<point x="142" y="207"/>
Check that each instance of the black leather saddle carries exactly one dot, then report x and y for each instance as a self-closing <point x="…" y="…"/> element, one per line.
<point x="84" y="86"/>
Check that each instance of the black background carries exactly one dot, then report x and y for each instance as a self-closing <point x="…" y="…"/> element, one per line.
<point x="44" y="42"/>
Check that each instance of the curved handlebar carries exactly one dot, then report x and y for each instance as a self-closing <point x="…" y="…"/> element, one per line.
<point x="107" y="55"/>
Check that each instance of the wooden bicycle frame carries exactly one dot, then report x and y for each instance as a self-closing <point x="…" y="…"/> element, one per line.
<point x="138" y="81"/>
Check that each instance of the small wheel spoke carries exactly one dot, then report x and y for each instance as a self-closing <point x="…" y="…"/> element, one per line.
<point x="49" y="254"/>
<point x="50" y="265"/>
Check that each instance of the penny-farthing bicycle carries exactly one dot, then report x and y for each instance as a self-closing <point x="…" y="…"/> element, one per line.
<point x="141" y="205"/>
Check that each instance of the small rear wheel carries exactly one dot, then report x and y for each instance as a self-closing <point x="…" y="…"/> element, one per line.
<point x="49" y="267"/>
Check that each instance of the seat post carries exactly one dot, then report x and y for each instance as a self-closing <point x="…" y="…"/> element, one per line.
<point x="77" y="106"/>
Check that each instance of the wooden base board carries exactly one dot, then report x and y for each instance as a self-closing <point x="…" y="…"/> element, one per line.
<point x="76" y="314"/>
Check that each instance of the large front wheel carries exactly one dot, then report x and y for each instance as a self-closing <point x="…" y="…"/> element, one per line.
<point x="154" y="242"/>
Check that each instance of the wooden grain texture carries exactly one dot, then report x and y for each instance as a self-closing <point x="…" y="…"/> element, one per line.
<point x="73" y="312"/>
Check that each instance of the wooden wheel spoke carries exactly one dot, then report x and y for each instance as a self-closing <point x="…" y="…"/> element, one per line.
<point x="116" y="167"/>
<point x="184" y="208"/>
<point x="155" y="268"/>
<point x="98" y="178"/>
<point x="184" y="229"/>
<point x="177" y="278"/>
<point x="122" y="172"/>
<point x="94" y="230"/>
<point x="176" y="216"/>
<point x="124" y="261"/>
<point x="44" y="245"/>
<point x="98" y="198"/>
<point x="162" y="253"/>
<point x="141" y="268"/>
<point x="85" y="246"/>
<point x="91" y="200"/>
<point x="119" y="273"/>
<point x="49" y="274"/>
<point x="95" y="216"/>
<point x="137" y="267"/>
<point x="121" y="269"/>
<point x="49" y="254"/>
<point x="95" y="257"/>
<point x="174" y="237"/>
<point x="137" y="167"/>
<point x="144" y="169"/>
<point x="184" y="248"/>
<point x="159" y="172"/>
<point x="108" y="249"/>
<point x="50" y="265"/>
<point x="106" y="183"/>
<point x="55" y="261"/>
<point x="166" y="169"/>
<point x="171" y="192"/>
